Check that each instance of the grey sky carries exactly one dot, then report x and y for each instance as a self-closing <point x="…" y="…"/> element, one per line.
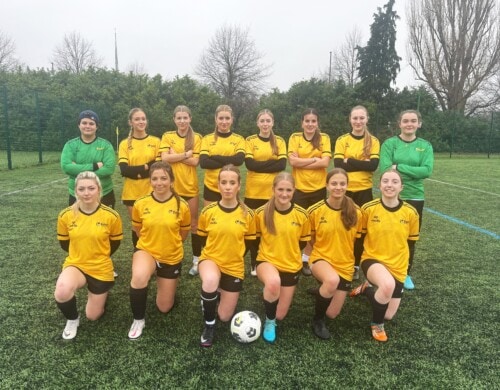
<point x="167" y="37"/>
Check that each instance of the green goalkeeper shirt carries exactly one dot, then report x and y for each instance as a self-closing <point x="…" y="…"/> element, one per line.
<point x="78" y="156"/>
<point x="414" y="160"/>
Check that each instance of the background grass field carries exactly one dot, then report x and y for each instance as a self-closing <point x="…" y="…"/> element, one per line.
<point x="445" y="334"/>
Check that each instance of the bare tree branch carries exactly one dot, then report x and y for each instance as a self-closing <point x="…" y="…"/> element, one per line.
<point x="75" y="54"/>
<point x="454" y="47"/>
<point x="345" y="59"/>
<point x="232" y="66"/>
<point x="7" y="53"/>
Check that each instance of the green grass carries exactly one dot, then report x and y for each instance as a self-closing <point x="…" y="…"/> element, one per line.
<point x="445" y="334"/>
<point x="27" y="159"/>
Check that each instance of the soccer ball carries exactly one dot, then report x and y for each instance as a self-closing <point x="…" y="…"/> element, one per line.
<point x="245" y="326"/>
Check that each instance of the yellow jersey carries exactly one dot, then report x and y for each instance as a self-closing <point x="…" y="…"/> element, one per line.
<point x="226" y="231"/>
<point x="309" y="180"/>
<point x="89" y="238"/>
<point x="186" y="177"/>
<point x="332" y="241"/>
<point x="282" y="249"/>
<point x="160" y="225"/>
<point x="387" y="234"/>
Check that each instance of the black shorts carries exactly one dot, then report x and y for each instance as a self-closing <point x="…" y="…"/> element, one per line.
<point x="187" y="198"/>
<point x="307" y="199"/>
<point x="168" y="271"/>
<point x="399" y="286"/>
<point x="128" y="202"/>
<point x="344" y="284"/>
<point x="361" y="197"/>
<point x="419" y="206"/>
<point x="288" y="279"/>
<point x="107" y="200"/>
<point x="211" y="196"/>
<point x="254" y="204"/>
<point x="230" y="283"/>
<point x="96" y="286"/>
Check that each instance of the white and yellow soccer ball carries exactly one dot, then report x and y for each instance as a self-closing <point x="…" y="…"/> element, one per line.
<point x="246" y="326"/>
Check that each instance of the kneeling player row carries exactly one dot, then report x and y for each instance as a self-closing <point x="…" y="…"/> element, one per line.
<point x="381" y="234"/>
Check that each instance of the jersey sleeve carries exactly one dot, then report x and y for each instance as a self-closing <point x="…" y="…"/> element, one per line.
<point x="185" y="217"/>
<point x="62" y="228"/>
<point x="116" y="231"/>
<point x="251" y="231"/>
<point x="202" y="223"/>
<point x="386" y="155"/>
<point x="108" y="161"/>
<point x="68" y="164"/>
<point x="424" y="170"/>
<point x="306" y="230"/>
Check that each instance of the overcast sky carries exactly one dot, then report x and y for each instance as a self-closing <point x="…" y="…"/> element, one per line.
<point x="167" y="37"/>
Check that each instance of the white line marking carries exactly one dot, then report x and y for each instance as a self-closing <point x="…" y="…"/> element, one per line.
<point x="33" y="187"/>
<point x="465" y="188"/>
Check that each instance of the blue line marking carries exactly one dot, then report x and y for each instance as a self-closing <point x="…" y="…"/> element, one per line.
<point x="463" y="223"/>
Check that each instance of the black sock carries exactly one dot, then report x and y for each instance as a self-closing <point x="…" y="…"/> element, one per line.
<point x="209" y="305"/>
<point x="253" y="255"/>
<point x="196" y="244"/>
<point x="378" y="308"/>
<point x="270" y="308"/>
<point x="138" y="299"/>
<point x="321" y="306"/>
<point x="69" y="309"/>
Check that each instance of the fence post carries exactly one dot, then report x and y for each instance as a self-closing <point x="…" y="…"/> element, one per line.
<point x="38" y="128"/>
<point x="61" y="131"/>
<point x="7" y="130"/>
<point x="491" y="132"/>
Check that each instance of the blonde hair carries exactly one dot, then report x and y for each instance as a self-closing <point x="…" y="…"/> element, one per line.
<point x="367" y="140"/>
<point x="86" y="175"/>
<point x="221" y="108"/>
<point x="233" y="168"/>
<point x="272" y="136"/>
<point x="316" y="139"/>
<point x="270" y="206"/>
<point x="348" y="213"/>
<point x="131" y="132"/>
<point x="189" y="142"/>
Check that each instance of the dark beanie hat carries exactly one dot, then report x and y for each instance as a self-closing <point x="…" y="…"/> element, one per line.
<point x="90" y="115"/>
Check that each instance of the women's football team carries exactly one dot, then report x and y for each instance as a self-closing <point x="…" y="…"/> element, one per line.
<point x="309" y="221"/>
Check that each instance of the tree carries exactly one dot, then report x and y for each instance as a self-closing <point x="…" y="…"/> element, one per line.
<point x="378" y="60"/>
<point x="345" y="59"/>
<point x="232" y="67"/>
<point x="7" y="51"/>
<point x="455" y="50"/>
<point x="75" y="54"/>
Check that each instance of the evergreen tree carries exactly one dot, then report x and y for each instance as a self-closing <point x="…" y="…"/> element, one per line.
<point x="378" y="60"/>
